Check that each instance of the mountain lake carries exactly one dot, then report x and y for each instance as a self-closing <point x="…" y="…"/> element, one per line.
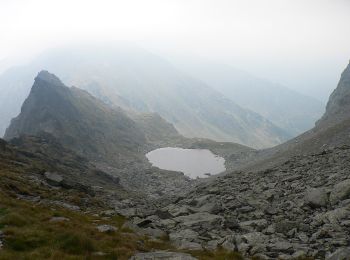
<point x="192" y="162"/>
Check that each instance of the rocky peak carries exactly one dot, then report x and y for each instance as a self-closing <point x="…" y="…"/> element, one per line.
<point x="49" y="78"/>
<point x="338" y="106"/>
<point x="75" y="118"/>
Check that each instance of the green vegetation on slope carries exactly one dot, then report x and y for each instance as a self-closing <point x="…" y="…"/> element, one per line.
<point x="30" y="229"/>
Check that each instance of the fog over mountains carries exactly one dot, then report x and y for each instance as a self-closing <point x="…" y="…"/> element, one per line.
<point x="288" y="109"/>
<point x="223" y="105"/>
<point x="69" y="151"/>
<point x="175" y="130"/>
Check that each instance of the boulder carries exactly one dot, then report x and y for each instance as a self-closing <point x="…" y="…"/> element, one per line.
<point x="316" y="197"/>
<point x="341" y="191"/>
<point x="53" y="178"/>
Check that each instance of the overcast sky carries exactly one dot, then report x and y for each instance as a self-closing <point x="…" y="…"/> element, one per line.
<point x="302" y="44"/>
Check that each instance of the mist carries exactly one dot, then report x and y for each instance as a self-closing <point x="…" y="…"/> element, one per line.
<point x="300" y="44"/>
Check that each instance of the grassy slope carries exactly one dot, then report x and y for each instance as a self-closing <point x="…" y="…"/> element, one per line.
<point x="29" y="233"/>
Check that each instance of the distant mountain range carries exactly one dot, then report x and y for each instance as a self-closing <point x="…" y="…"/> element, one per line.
<point x="139" y="81"/>
<point x="288" y="109"/>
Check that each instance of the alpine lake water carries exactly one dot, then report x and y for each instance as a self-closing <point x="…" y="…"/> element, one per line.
<point x="193" y="163"/>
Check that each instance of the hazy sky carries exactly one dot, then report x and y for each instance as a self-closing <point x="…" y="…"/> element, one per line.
<point x="302" y="44"/>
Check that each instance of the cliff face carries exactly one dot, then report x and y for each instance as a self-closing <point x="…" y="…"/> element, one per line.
<point x="338" y="107"/>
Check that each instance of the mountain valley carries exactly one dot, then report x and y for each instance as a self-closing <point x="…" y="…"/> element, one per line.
<point x="72" y="158"/>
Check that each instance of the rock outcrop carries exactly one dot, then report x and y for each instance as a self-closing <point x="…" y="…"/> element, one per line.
<point x="338" y="106"/>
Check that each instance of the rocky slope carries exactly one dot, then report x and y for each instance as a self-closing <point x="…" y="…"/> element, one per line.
<point x="140" y="81"/>
<point x="293" y="203"/>
<point x="109" y="138"/>
<point x="296" y="203"/>
<point x="300" y="208"/>
<point x="54" y="204"/>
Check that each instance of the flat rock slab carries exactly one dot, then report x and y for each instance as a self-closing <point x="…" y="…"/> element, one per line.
<point x="162" y="255"/>
<point x="53" y="178"/>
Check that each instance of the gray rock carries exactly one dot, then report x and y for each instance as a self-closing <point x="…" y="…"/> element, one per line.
<point x="106" y="228"/>
<point x="200" y="220"/>
<point x="186" y="234"/>
<point x="340" y="254"/>
<point x="229" y="242"/>
<point x="254" y="238"/>
<point x="212" y="245"/>
<point x="284" y="226"/>
<point x="341" y="191"/>
<point x="131" y="226"/>
<point x="187" y="245"/>
<point x="162" y="255"/>
<point x="231" y="224"/>
<point x="142" y="222"/>
<point x="128" y="212"/>
<point x="251" y="225"/>
<point x="185" y="239"/>
<point x="66" y="205"/>
<point x="282" y="247"/>
<point x="335" y="216"/>
<point x="316" y="197"/>
<point x="180" y="211"/>
<point x="153" y="232"/>
<point x="211" y="207"/>
<point x="53" y="178"/>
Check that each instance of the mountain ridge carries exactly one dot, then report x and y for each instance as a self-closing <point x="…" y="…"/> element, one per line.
<point x="286" y="108"/>
<point x="140" y="81"/>
<point x="71" y="115"/>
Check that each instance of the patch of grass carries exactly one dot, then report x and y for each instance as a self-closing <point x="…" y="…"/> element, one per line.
<point x="219" y="254"/>
<point x="28" y="240"/>
<point x="75" y="243"/>
<point x="14" y="219"/>
<point x="29" y="233"/>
